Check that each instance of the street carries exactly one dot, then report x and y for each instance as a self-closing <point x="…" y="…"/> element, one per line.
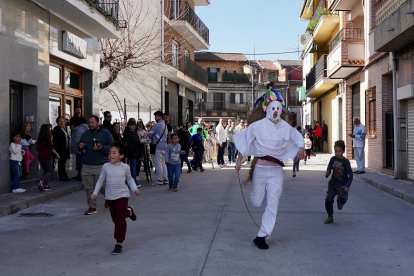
<point x="205" y="229"/>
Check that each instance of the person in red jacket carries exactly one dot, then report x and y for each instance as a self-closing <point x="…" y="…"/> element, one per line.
<point x="317" y="137"/>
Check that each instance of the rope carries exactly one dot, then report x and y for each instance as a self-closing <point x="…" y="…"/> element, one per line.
<point x="248" y="210"/>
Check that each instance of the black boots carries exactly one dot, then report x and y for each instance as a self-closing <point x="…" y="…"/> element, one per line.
<point x="260" y="242"/>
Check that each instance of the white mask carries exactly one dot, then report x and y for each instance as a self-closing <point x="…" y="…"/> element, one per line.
<point x="273" y="111"/>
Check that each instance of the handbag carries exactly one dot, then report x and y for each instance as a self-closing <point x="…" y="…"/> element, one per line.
<point x="154" y="146"/>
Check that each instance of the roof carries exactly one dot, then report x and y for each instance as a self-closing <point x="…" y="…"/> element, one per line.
<point x="220" y="56"/>
<point x="289" y="62"/>
<point x="267" y="64"/>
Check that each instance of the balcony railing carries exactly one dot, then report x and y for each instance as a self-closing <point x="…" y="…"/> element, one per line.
<point x="189" y="67"/>
<point x="347" y="34"/>
<point x="110" y="9"/>
<point x="316" y="73"/>
<point x="212" y="77"/>
<point x="181" y="10"/>
<point x="235" y="77"/>
<point x="221" y="106"/>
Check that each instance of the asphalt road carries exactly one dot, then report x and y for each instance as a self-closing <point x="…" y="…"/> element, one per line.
<point x="204" y="229"/>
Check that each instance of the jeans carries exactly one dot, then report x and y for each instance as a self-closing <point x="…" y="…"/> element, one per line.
<point x="360" y="158"/>
<point x="17" y="173"/>
<point x="47" y="170"/>
<point x="198" y="154"/>
<point x="174" y="172"/>
<point x="315" y="144"/>
<point x="220" y="154"/>
<point x="79" y="164"/>
<point x="133" y="168"/>
<point x="232" y="151"/>
<point x="334" y="190"/>
<point x="184" y="158"/>
<point x="229" y="151"/>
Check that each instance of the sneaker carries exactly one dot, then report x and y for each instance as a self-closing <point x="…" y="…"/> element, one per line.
<point x="329" y="220"/>
<point x="152" y="169"/>
<point x="170" y="188"/>
<point x="294" y="174"/>
<point x="117" y="249"/>
<point x="79" y="178"/>
<point x="356" y="171"/>
<point x="361" y="172"/>
<point x="106" y="205"/>
<point x="40" y="185"/>
<point x="91" y="211"/>
<point x="19" y="190"/>
<point x="195" y="170"/>
<point x="340" y="206"/>
<point x="202" y="170"/>
<point x="47" y="188"/>
<point x="304" y="163"/>
<point x="139" y="185"/>
<point x="260" y="242"/>
<point x="189" y="170"/>
<point x="133" y="217"/>
<point x="175" y="189"/>
<point x="165" y="182"/>
<point x="156" y="183"/>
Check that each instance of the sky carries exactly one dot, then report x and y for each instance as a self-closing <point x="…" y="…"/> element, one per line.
<point x="248" y="26"/>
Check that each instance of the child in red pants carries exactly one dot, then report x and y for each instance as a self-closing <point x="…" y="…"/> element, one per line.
<point x="115" y="173"/>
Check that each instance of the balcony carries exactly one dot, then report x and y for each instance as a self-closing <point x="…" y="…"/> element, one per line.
<point x="186" y="22"/>
<point x="221" y="106"/>
<point x="342" y="5"/>
<point x="235" y="77"/>
<point x="104" y="23"/>
<point x="325" y="27"/>
<point x="201" y="2"/>
<point x="346" y="53"/>
<point x="186" y="72"/>
<point x="317" y="81"/>
<point x="396" y="25"/>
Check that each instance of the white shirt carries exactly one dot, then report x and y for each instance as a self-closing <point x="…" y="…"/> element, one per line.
<point x="263" y="138"/>
<point x="221" y="134"/>
<point x="359" y="131"/>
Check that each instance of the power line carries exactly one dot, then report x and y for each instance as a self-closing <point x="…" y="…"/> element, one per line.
<point x="281" y="53"/>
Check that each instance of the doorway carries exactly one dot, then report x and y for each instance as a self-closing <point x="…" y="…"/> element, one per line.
<point x="16" y="107"/>
<point x="389" y="141"/>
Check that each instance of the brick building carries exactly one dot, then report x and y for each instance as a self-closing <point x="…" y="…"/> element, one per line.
<point x="229" y="85"/>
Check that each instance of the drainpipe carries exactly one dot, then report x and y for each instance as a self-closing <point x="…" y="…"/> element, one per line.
<point x="395" y="113"/>
<point x="162" y="58"/>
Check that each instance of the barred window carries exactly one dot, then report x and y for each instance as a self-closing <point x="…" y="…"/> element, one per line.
<point x="371" y="112"/>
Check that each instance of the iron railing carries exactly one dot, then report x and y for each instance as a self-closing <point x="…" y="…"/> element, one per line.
<point x="212" y="77"/>
<point x="189" y="67"/>
<point x="347" y="34"/>
<point x="110" y="9"/>
<point x="221" y="106"/>
<point x="236" y="77"/>
<point x="316" y="73"/>
<point x="181" y="10"/>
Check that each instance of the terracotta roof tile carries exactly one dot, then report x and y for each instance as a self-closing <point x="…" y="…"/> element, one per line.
<point x="267" y="64"/>
<point x="220" y="56"/>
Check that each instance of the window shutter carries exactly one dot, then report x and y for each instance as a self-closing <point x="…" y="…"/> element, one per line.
<point x="241" y="98"/>
<point x="232" y="98"/>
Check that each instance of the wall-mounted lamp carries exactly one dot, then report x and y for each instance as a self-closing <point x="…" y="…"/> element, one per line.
<point x="390" y="30"/>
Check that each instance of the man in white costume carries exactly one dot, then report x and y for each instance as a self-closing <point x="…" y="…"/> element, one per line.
<point x="271" y="141"/>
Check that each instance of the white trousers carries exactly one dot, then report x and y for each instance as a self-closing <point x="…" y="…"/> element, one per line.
<point x="267" y="182"/>
<point x="159" y="164"/>
<point x="360" y="158"/>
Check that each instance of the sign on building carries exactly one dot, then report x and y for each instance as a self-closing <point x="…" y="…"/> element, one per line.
<point x="74" y="45"/>
<point x="181" y="90"/>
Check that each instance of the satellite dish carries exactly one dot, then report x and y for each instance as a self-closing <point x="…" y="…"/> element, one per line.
<point x="303" y="39"/>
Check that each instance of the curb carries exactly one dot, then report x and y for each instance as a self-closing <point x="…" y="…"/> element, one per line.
<point x="395" y="187"/>
<point x="13" y="203"/>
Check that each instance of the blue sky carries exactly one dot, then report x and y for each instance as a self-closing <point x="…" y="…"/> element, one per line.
<point x="237" y="26"/>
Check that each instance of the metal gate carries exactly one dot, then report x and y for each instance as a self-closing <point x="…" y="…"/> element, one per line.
<point x="410" y="139"/>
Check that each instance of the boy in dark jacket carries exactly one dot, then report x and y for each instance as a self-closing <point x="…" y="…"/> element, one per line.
<point x="340" y="182"/>
<point x="196" y="142"/>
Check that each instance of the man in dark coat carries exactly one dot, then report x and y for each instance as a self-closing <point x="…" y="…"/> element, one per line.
<point x="107" y="122"/>
<point x="61" y="145"/>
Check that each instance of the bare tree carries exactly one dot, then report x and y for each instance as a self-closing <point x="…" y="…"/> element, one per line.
<point x="140" y="42"/>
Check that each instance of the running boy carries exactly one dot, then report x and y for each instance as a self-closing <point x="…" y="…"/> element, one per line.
<point x="196" y="142"/>
<point x="308" y="146"/>
<point x="340" y="182"/>
<point x="173" y="161"/>
<point x="115" y="173"/>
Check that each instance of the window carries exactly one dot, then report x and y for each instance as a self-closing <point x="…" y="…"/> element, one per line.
<point x="72" y="80"/>
<point x="371" y="112"/>
<point x="272" y="76"/>
<point x="236" y="98"/>
<point x="54" y="74"/>
<point x="174" y="54"/>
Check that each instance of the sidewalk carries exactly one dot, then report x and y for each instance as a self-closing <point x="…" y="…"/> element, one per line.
<point x="403" y="189"/>
<point x="12" y="203"/>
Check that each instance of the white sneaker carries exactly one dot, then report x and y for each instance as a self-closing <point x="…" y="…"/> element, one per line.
<point x="139" y="185"/>
<point x="19" y="190"/>
<point x="156" y="183"/>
